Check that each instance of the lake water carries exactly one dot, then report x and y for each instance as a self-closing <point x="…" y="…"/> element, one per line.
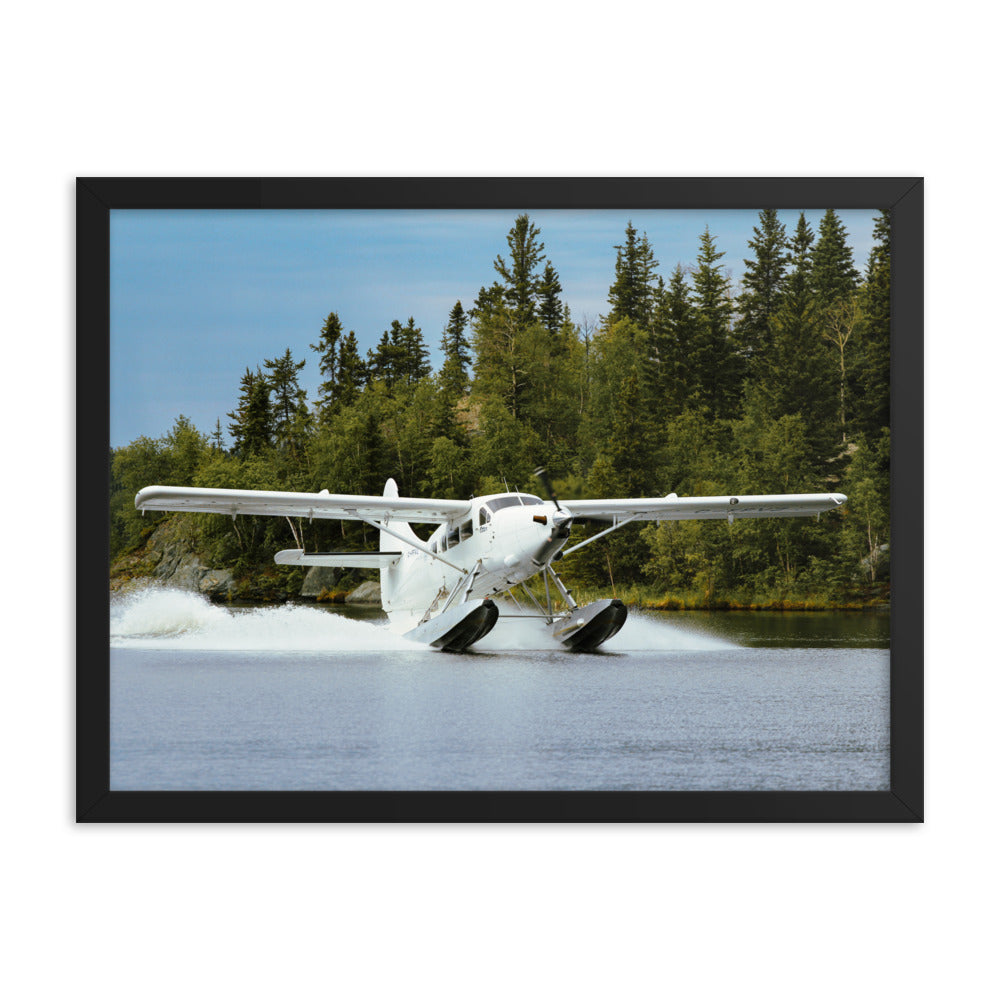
<point x="303" y="697"/>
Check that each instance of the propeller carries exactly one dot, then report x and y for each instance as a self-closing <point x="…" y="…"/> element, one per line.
<point x="561" y="522"/>
<point x="543" y="477"/>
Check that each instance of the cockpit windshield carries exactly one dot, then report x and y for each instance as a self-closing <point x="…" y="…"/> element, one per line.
<point x="514" y="500"/>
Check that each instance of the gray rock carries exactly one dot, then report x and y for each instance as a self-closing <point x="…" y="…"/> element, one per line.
<point x="185" y="572"/>
<point x="177" y="565"/>
<point x="367" y="593"/>
<point x="216" y="583"/>
<point x="318" y="579"/>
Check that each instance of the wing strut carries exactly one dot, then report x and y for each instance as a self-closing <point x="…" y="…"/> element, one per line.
<point x="407" y="541"/>
<point x="619" y="522"/>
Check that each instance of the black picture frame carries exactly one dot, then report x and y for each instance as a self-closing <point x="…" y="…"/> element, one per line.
<point x="96" y="197"/>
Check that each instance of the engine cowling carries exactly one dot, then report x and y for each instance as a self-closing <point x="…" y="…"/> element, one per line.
<point x="558" y="536"/>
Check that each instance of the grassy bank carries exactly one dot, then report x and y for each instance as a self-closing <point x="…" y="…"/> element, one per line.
<point x="655" y="599"/>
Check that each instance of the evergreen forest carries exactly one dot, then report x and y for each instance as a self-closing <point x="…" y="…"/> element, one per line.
<point x="691" y="383"/>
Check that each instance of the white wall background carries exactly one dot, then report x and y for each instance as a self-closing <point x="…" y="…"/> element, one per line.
<point x="765" y="88"/>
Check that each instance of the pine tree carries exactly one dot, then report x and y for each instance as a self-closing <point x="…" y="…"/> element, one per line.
<point x="456" y="348"/>
<point x="869" y="363"/>
<point x="522" y="283"/>
<point x="631" y="296"/>
<point x="551" y="311"/>
<point x="489" y="302"/>
<point x="796" y="374"/>
<point x="352" y="372"/>
<point x="763" y="282"/>
<point x="187" y="447"/>
<point x="401" y="356"/>
<point x="834" y="276"/>
<point x="380" y="363"/>
<point x="668" y="373"/>
<point x="656" y="373"/>
<point x="413" y="355"/>
<point x="284" y="384"/>
<point x="509" y="340"/>
<point x="502" y="361"/>
<point x="329" y="355"/>
<point x="291" y="418"/>
<point x="506" y="448"/>
<point x="385" y="361"/>
<point x="714" y="363"/>
<point x="251" y="428"/>
<point x="800" y="261"/>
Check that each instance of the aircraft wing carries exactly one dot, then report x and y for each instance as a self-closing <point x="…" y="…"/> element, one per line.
<point x="364" y="560"/>
<point x="674" y="508"/>
<point x="343" y="506"/>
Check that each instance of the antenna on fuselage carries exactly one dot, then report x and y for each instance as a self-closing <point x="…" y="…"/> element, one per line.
<point x="505" y="486"/>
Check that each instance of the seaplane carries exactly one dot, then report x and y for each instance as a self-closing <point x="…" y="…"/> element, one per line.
<point x="444" y="591"/>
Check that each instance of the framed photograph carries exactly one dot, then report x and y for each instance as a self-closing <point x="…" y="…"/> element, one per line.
<point x="520" y="499"/>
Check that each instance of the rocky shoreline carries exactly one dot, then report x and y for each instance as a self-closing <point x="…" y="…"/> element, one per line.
<point x="170" y="559"/>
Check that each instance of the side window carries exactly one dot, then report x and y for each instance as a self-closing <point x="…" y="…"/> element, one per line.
<point x="484" y="515"/>
<point x="465" y="530"/>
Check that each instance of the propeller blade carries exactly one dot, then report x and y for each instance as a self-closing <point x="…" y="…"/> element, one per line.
<point x="543" y="477"/>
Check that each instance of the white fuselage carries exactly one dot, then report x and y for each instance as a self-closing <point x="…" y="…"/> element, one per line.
<point x="509" y="536"/>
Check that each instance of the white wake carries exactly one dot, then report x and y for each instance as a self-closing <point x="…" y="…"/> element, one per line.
<point x="159" y="618"/>
<point x="648" y="631"/>
<point x="641" y="631"/>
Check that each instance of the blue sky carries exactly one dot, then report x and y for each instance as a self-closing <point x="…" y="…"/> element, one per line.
<point x="198" y="296"/>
